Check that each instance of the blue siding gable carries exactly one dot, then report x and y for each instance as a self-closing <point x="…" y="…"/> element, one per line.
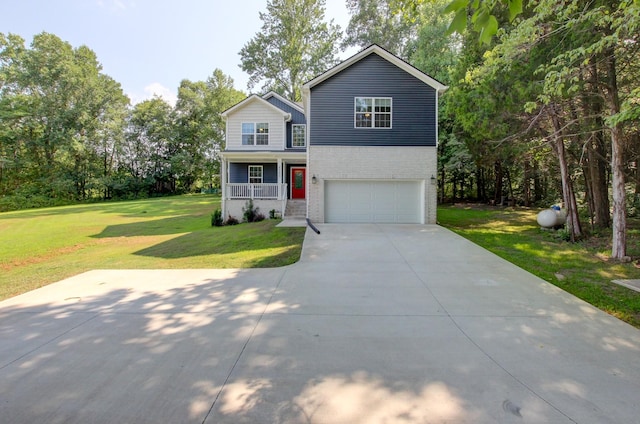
<point x="297" y="117"/>
<point x="332" y="106"/>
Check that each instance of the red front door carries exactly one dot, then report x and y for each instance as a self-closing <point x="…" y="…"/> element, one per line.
<point x="298" y="182"/>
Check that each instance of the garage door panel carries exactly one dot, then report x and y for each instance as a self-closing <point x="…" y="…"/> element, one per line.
<point x="373" y="201"/>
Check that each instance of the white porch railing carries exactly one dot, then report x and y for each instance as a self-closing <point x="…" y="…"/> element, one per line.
<point x="256" y="191"/>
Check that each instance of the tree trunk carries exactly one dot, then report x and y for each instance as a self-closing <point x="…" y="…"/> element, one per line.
<point x="538" y="191"/>
<point x="497" y="194"/>
<point x="570" y="204"/>
<point x="596" y="154"/>
<point x="619" y="242"/>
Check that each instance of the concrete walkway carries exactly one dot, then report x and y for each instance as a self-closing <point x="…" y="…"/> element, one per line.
<point x="375" y="324"/>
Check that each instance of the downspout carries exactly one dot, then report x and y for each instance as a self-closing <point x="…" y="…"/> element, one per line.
<point x="306" y="104"/>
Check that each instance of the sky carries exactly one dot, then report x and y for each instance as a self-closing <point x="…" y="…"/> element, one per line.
<point x="149" y="46"/>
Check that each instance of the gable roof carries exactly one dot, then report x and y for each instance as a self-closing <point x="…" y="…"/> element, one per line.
<point x="253" y="99"/>
<point x="389" y="57"/>
<point x="283" y="100"/>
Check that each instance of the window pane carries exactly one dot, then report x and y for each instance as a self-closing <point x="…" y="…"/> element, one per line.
<point x="262" y="139"/>
<point x="383" y="105"/>
<point x="247" y="128"/>
<point x="383" y="120"/>
<point x="363" y="104"/>
<point x="363" y="120"/>
<point x="262" y="128"/>
<point x="247" y="139"/>
<point x="298" y="179"/>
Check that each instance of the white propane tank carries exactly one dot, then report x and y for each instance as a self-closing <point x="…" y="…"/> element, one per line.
<point x="550" y="218"/>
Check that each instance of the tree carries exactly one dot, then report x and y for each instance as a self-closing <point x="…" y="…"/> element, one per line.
<point x="199" y="127"/>
<point x="377" y="22"/>
<point x="61" y="102"/>
<point x="480" y="13"/>
<point x="294" y="45"/>
<point x="146" y="153"/>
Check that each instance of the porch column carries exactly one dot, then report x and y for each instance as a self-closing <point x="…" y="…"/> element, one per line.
<point x="280" y="179"/>
<point x="223" y="185"/>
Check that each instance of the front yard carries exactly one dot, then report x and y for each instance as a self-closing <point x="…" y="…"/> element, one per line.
<point x="38" y="247"/>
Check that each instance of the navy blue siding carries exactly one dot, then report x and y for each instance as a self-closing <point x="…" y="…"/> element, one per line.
<point x="413" y="112"/>
<point x="239" y="172"/>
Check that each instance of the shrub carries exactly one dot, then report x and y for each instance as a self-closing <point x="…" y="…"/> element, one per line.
<point x="216" y="218"/>
<point x="274" y="214"/>
<point x="249" y="212"/>
<point x="231" y="221"/>
<point x="258" y="217"/>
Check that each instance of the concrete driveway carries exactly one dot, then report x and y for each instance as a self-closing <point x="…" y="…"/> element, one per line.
<point x="375" y="324"/>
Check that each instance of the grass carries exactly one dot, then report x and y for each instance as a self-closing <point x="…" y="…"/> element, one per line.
<point x="582" y="268"/>
<point x="38" y="247"/>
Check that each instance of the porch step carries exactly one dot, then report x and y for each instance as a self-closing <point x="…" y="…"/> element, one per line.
<point x="296" y="209"/>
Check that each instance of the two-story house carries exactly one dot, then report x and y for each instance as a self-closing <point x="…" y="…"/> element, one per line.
<point x="265" y="155"/>
<point x="363" y="149"/>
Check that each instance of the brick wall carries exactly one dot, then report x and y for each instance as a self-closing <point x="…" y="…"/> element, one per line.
<point x="371" y="163"/>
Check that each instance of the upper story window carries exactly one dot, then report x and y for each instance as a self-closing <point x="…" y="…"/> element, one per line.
<point x="255" y="134"/>
<point x="299" y="132"/>
<point x="373" y="112"/>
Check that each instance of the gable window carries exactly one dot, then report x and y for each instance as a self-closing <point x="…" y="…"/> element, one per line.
<point x="373" y="112"/>
<point x="299" y="135"/>
<point x="255" y="174"/>
<point x="255" y="134"/>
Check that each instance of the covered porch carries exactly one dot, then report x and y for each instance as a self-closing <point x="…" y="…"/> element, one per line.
<point x="263" y="177"/>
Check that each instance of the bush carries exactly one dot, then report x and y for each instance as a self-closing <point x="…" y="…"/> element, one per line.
<point x="231" y="221"/>
<point x="258" y="217"/>
<point x="216" y="218"/>
<point x="273" y="214"/>
<point x="250" y="213"/>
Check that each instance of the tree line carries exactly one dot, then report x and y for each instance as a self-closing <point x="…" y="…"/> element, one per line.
<point x="68" y="132"/>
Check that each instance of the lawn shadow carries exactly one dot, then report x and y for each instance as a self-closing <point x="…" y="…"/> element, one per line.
<point x="154" y="227"/>
<point x="205" y="243"/>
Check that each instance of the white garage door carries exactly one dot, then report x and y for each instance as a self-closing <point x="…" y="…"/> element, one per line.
<point x="373" y="201"/>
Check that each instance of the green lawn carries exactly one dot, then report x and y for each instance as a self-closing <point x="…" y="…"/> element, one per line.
<point x="582" y="269"/>
<point x="41" y="246"/>
<point x="38" y="247"/>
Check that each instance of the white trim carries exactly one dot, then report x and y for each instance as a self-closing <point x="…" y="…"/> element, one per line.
<point x="255" y="98"/>
<point x="255" y="133"/>
<point x="249" y="173"/>
<point x="251" y="156"/>
<point x="374" y="48"/>
<point x="293" y="133"/>
<point x="373" y="113"/>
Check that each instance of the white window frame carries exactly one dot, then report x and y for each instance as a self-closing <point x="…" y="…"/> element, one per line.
<point x="293" y="135"/>
<point x="258" y="133"/>
<point x="260" y="167"/>
<point x="373" y="112"/>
